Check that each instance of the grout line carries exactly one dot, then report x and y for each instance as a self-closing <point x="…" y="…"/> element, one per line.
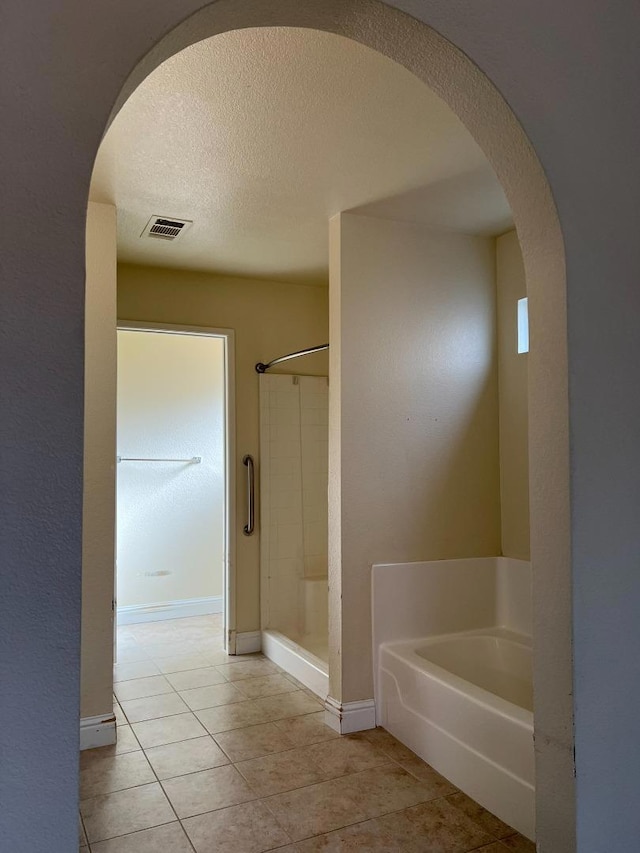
<point x="84" y="829"/>
<point x="153" y="770"/>
<point x="136" y="831"/>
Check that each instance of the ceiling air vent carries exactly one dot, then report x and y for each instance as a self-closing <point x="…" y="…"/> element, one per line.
<point x="164" y="228"/>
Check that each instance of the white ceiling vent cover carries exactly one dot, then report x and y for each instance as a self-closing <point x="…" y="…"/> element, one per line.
<point x="165" y="227"/>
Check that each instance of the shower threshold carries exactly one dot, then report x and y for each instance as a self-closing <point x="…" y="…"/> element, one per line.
<point x="300" y="662"/>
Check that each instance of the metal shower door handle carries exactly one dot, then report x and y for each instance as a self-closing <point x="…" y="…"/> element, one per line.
<point x="251" y="484"/>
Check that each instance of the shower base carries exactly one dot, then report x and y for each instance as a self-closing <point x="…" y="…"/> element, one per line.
<point x="304" y="658"/>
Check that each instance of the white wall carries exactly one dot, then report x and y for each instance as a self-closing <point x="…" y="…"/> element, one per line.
<point x="514" y="405"/>
<point x="98" y="531"/>
<point x="170" y="519"/>
<point x="416" y="373"/>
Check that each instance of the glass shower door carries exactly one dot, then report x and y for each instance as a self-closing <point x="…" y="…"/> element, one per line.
<point x="294" y="477"/>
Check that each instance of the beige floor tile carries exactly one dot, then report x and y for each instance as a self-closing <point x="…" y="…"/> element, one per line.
<point x="519" y="844"/>
<point x="437" y="784"/>
<point x="184" y="628"/>
<point x="281" y="771"/>
<point x="253" y="741"/>
<point x="82" y="836"/>
<point x="179" y="663"/>
<point x="249" y="828"/>
<point x="130" y="653"/>
<point x="125" y="811"/>
<point x="189" y="679"/>
<point x="293" y="680"/>
<point x="349" y="793"/>
<point x="434" y="827"/>
<point x="295" y="704"/>
<point x="167" y="649"/>
<point x="385" y="741"/>
<point x="368" y="836"/>
<point x="114" y="773"/>
<point x="153" y="707"/>
<point x="287" y="705"/>
<point x="216" y="654"/>
<point x="212" y="696"/>
<point x="89" y="757"/>
<point x="248" y="669"/>
<point x="219" y="656"/>
<point x="383" y="789"/>
<point x="124" y="634"/>
<point x="485" y="820"/>
<point x="139" y="669"/>
<point x="187" y="756"/>
<point x="346" y="755"/>
<point x="121" y="720"/>
<point x="126" y="740"/>
<point x="168" y="730"/>
<point x="409" y="760"/>
<point x="236" y="716"/>
<point x="206" y="626"/>
<point x="208" y="790"/>
<point x="307" y="729"/>
<point x="169" y="838"/>
<point x="267" y="685"/>
<point x="140" y="688"/>
<point x="314" y="810"/>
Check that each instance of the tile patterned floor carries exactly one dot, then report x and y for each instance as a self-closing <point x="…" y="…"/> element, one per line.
<point x="232" y="755"/>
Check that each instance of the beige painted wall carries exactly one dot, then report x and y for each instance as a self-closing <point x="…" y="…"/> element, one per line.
<point x="269" y="320"/>
<point x="98" y="539"/>
<point x="514" y="408"/>
<point x="416" y="372"/>
<point x="170" y="520"/>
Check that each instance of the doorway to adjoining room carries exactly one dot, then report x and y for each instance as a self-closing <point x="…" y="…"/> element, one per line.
<point x="172" y="497"/>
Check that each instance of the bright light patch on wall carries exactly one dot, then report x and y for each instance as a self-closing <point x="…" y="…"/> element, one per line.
<point x="523" y="325"/>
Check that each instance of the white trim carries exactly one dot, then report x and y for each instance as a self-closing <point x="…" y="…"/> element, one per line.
<point x="297" y="661"/>
<point x="97" y="731"/>
<point x="228" y="335"/>
<point x="248" y="642"/>
<point x="348" y="717"/>
<point x="130" y="614"/>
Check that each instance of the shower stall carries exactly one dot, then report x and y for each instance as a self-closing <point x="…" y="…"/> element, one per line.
<point x="294" y="431"/>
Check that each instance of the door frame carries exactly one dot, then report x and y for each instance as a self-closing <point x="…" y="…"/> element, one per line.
<point x="229" y="535"/>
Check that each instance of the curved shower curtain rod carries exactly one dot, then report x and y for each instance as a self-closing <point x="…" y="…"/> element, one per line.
<point x="262" y="368"/>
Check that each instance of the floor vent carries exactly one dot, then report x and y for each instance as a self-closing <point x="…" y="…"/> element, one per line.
<point x="163" y="228"/>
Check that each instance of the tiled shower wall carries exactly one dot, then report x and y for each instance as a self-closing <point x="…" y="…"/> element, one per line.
<point x="294" y="416"/>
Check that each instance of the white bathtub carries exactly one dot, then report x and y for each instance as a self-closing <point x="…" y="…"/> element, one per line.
<point x="463" y="702"/>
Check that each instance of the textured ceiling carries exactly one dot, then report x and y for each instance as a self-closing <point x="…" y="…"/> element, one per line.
<point x="260" y="135"/>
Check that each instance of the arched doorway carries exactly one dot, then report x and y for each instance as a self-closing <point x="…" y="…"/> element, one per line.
<point x="474" y="99"/>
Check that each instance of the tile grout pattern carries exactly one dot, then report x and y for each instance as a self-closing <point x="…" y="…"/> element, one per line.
<point x="232" y="754"/>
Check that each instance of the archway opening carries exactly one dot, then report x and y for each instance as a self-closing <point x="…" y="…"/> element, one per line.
<point x="472" y="98"/>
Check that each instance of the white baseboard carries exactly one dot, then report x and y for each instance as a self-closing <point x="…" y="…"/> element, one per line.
<point x="97" y="731"/>
<point x="130" y="614"/>
<point x="348" y="717"/>
<point x="248" y="642"/>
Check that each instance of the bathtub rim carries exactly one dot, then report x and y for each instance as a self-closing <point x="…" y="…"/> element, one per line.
<point x="404" y="650"/>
